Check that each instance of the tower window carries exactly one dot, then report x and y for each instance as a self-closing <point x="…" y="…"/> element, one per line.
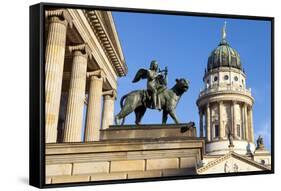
<point x="216" y="130"/>
<point x="215" y="78"/>
<point x="238" y="130"/>
<point x="236" y="79"/>
<point x="226" y="77"/>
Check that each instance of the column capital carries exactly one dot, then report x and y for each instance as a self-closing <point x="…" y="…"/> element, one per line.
<point x="96" y="74"/>
<point x="81" y="50"/>
<point x="59" y="15"/>
<point x="110" y="94"/>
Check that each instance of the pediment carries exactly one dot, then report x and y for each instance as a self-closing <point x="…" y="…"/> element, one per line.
<point x="229" y="163"/>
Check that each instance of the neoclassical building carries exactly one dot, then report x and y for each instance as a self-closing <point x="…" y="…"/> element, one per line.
<point x="83" y="61"/>
<point x="226" y="109"/>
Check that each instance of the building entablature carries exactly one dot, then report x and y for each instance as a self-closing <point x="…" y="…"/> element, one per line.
<point x="225" y="95"/>
<point x="108" y="38"/>
<point x="102" y="41"/>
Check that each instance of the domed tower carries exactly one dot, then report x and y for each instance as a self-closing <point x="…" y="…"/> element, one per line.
<point x="225" y="103"/>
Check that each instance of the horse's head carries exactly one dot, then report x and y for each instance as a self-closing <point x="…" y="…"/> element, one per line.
<point x="181" y="85"/>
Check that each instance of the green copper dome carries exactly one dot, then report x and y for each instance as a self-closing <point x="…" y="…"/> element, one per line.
<point x="224" y="55"/>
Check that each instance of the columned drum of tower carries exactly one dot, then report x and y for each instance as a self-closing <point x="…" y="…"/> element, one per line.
<point x="226" y="102"/>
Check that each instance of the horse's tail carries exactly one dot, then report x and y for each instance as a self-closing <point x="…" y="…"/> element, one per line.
<point x="122" y="105"/>
<point x="122" y="100"/>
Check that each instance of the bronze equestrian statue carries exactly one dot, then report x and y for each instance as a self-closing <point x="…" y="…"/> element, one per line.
<point x="157" y="96"/>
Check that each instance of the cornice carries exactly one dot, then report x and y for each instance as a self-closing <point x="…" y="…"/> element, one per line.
<point x="99" y="29"/>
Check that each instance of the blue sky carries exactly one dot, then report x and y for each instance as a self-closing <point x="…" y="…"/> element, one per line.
<point x="183" y="44"/>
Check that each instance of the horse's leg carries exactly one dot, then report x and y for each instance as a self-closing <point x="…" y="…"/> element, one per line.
<point x="172" y="113"/>
<point x="164" y="116"/>
<point x="139" y="111"/>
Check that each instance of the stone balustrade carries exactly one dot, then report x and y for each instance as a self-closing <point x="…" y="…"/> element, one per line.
<point x="218" y="89"/>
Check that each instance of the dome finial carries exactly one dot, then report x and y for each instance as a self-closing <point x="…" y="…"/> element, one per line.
<point x="224" y="32"/>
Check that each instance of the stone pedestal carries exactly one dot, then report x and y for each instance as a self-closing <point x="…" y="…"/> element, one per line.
<point x="75" y="104"/>
<point x="262" y="156"/>
<point x="149" y="131"/>
<point x="93" y="120"/>
<point x="55" y="51"/>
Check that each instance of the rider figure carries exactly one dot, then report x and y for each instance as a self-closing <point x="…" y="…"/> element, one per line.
<point x="152" y="74"/>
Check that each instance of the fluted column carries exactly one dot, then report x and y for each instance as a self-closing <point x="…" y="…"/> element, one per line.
<point x="208" y="121"/>
<point x="246" y="129"/>
<point x="221" y="133"/>
<point x="55" y="51"/>
<point x="201" y="123"/>
<point x="234" y="120"/>
<point x="93" y="120"/>
<point x="76" y="97"/>
<point x="251" y="125"/>
<point x="108" y="108"/>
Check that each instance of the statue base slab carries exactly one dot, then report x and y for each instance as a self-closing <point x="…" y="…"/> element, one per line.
<point x="149" y="131"/>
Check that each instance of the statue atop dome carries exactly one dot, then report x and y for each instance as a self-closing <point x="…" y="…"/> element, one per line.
<point x="224" y="32"/>
<point x="224" y="55"/>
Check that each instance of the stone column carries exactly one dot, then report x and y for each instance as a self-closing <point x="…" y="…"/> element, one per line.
<point x="208" y="121"/>
<point x="93" y="120"/>
<point x="76" y="95"/>
<point x="221" y="133"/>
<point x="201" y="123"/>
<point x="54" y="54"/>
<point x="246" y="129"/>
<point x="234" y="120"/>
<point x="108" y="108"/>
<point x="251" y="125"/>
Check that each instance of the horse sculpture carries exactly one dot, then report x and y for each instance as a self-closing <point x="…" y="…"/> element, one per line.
<point x="139" y="100"/>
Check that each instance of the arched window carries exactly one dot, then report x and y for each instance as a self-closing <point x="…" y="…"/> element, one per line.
<point x="216" y="131"/>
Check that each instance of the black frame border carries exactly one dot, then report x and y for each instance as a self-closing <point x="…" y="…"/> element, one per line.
<point x="37" y="95"/>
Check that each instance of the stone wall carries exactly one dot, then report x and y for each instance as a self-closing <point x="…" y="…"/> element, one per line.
<point x="122" y="159"/>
